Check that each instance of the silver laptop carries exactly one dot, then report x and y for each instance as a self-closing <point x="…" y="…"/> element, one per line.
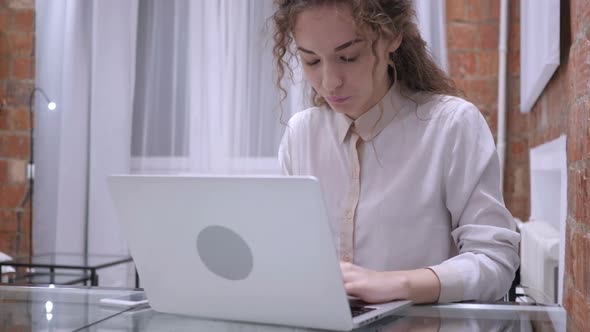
<point x="254" y="249"/>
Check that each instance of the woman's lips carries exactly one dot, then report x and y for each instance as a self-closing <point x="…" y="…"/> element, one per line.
<point x="337" y="99"/>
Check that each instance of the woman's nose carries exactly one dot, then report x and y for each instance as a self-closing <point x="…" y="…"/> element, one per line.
<point x="332" y="78"/>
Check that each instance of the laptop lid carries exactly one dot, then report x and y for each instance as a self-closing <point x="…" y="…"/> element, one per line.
<point x="255" y="249"/>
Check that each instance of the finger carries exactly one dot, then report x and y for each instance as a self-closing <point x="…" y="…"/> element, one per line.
<point x="346" y="270"/>
<point x="346" y="266"/>
<point x="355" y="289"/>
<point x="351" y="288"/>
<point x="351" y="275"/>
<point x="348" y="276"/>
<point x="351" y="268"/>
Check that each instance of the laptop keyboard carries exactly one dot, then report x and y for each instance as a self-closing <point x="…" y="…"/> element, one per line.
<point x="357" y="310"/>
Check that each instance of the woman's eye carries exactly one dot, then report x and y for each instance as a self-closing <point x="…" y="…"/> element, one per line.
<point x="311" y="63"/>
<point x="349" y="58"/>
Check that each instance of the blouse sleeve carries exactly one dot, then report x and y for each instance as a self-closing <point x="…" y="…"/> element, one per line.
<point x="482" y="228"/>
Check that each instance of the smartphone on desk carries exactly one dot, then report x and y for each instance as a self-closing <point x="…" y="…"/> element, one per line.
<point x="129" y="301"/>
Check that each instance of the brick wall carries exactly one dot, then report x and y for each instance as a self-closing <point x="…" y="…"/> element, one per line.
<point x="16" y="82"/>
<point x="563" y="108"/>
<point x="569" y="91"/>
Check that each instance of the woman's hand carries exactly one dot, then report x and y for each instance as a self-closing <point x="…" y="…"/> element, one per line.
<point x="372" y="286"/>
<point x="420" y="286"/>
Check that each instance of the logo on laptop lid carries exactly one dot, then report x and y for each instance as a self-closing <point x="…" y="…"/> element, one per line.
<point x="225" y="253"/>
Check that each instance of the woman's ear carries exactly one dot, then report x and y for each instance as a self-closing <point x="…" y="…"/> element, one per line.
<point x="395" y="43"/>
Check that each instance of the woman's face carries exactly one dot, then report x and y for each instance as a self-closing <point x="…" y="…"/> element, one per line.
<point x="339" y="62"/>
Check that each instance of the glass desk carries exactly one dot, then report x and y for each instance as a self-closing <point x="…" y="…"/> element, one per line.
<point x="78" y="309"/>
<point x="54" y="309"/>
<point x="60" y="265"/>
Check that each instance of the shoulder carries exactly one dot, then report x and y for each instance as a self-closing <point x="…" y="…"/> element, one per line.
<point x="454" y="112"/>
<point x="465" y="128"/>
<point x="444" y="105"/>
<point x="458" y="108"/>
<point x="307" y="115"/>
<point x="308" y="119"/>
<point x="455" y="123"/>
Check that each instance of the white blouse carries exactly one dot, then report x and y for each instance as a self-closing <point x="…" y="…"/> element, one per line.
<point x="413" y="183"/>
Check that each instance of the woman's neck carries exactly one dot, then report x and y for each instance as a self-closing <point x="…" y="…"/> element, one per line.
<point x="377" y="97"/>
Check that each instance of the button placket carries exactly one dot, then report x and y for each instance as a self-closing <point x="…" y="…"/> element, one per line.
<point x="347" y="226"/>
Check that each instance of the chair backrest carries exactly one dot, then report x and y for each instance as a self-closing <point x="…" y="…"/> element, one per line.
<point x="511" y="295"/>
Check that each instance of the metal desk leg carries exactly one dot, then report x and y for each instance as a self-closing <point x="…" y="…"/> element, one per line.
<point x="93" y="278"/>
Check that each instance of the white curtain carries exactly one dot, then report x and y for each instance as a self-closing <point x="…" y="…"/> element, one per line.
<point x="205" y="98"/>
<point x="85" y="55"/>
<point x="431" y="22"/>
<point x="161" y="105"/>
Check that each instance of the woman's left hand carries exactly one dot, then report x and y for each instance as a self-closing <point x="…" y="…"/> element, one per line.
<point x="372" y="286"/>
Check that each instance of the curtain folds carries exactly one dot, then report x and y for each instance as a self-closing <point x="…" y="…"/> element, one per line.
<point x="85" y="60"/>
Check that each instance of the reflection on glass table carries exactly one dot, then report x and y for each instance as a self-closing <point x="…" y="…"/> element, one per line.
<point x="451" y="317"/>
<point x="54" y="308"/>
<point x="79" y="309"/>
<point x="44" y="267"/>
<point x="47" y="278"/>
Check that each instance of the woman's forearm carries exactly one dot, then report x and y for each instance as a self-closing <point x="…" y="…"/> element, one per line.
<point x="421" y="286"/>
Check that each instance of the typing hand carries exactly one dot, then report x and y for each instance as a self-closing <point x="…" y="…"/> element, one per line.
<point x="372" y="286"/>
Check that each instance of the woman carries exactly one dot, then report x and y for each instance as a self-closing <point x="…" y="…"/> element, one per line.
<point x="409" y="171"/>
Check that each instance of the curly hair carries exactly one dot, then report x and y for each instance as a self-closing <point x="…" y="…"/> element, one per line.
<point x="413" y="63"/>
